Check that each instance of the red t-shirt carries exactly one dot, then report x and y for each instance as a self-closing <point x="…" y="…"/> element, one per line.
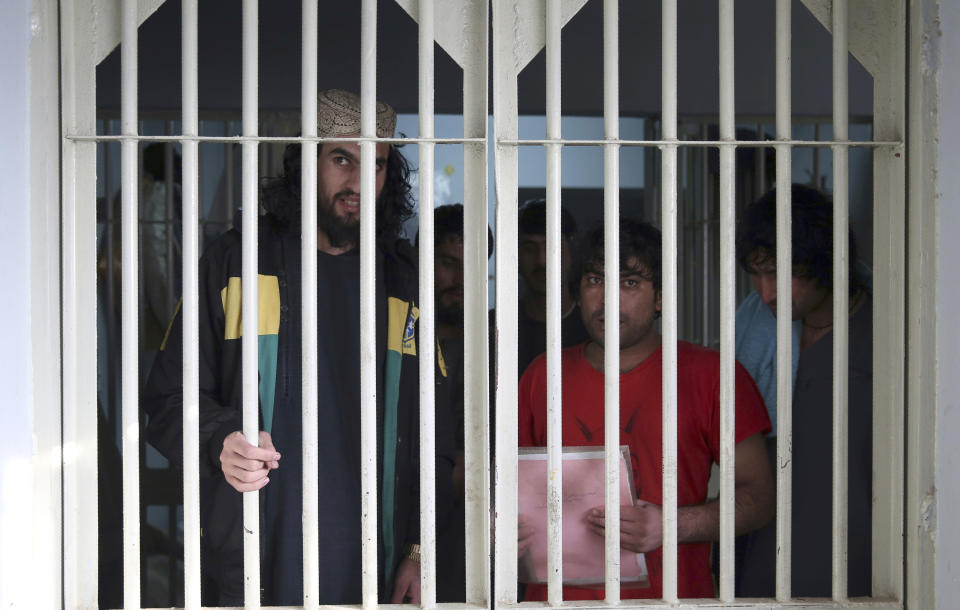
<point x="698" y="440"/>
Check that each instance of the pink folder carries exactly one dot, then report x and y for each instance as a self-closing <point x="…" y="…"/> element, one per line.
<point x="583" y="483"/>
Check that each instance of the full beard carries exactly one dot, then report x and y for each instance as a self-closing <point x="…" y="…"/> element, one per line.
<point x="340" y="231"/>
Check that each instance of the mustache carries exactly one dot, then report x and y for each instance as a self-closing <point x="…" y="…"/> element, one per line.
<point x="346" y="193"/>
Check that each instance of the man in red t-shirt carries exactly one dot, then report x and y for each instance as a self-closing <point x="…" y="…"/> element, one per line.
<point x="698" y="414"/>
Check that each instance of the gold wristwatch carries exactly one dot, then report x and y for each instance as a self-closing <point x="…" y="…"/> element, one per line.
<point x="412" y="551"/>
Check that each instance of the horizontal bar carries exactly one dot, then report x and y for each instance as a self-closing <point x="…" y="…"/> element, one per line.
<point x="271" y="139"/>
<point x="704" y="143"/>
<point x="651" y="143"/>
<point x="692" y="604"/>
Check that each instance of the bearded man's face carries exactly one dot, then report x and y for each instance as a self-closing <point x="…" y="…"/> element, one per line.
<point x="338" y="189"/>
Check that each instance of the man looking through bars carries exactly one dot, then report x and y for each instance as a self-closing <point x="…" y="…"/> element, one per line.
<point x="448" y="305"/>
<point x="698" y="414"/>
<point x="812" y="286"/>
<point x="228" y="463"/>
<point x="532" y="264"/>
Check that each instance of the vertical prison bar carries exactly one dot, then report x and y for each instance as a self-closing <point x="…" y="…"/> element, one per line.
<point x="190" y="311"/>
<point x="130" y="375"/>
<point x="668" y="179"/>
<point x="784" y="315"/>
<point x="249" y="330"/>
<point x="554" y="382"/>
<point x="79" y="298"/>
<point x="611" y="338"/>
<point x="368" y="311"/>
<point x="841" y="297"/>
<point x="727" y="299"/>
<point x="427" y="339"/>
<point x="475" y="293"/>
<point x="505" y="124"/>
<point x="308" y="287"/>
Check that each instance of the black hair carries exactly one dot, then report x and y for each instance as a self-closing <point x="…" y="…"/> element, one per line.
<point x="811" y="233"/>
<point x="533" y="219"/>
<point x="448" y="222"/>
<point x="281" y="195"/>
<point x="639" y="240"/>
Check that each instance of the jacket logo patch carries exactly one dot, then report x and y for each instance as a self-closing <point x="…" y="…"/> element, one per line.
<point x="409" y="345"/>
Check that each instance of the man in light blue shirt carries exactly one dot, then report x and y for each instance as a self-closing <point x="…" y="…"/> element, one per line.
<point x="810" y="450"/>
<point x="756" y="342"/>
<point x="756" y="345"/>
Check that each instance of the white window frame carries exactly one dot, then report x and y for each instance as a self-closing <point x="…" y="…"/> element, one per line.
<point x="83" y="38"/>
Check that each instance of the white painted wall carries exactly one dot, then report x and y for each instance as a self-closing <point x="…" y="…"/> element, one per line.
<point x="16" y="414"/>
<point x="29" y="301"/>
<point x="948" y="305"/>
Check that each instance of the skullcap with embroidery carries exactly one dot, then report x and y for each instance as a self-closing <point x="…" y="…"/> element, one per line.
<point x="338" y="115"/>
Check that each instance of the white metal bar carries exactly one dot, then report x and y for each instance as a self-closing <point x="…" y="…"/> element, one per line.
<point x="476" y="414"/>
<point x="703" y="604"/>
<point x="841" y="297"/>
<point x="428" y="483"/>
<point x="249" y="330"/>
<point x="511" y="141"/>
<point x="611" y="339"/>
<point x="505" y="124"/>
<point x="922" y="274"/>
<point x="760" y="167"/>
<point x="130" y="369"/>
<point x="308" y="292"/>
<point x="816" y="156"/>
<point x="668" y="180"/>
<point x="727" y="301"/>
<point x="889" y="314"/>
<point x="368" y="310"/>
<point x="169" y="219"/>
<point x="79" y="298"/>
<point x="229" y="177"/>
<point x="703" y="209"/>
<point x="190" y="310"/>
<point x="553" y="343"/>
<point x="784" y="305"/>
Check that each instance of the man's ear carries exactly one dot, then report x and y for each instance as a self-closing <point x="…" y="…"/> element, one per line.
<point x="659" y="301"/>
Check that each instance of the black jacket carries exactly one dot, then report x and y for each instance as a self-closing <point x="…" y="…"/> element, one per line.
<point x="221" y="393"/>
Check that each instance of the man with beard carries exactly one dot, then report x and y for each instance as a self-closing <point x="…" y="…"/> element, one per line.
<point x="229" y="464"/>
<point x="448" y="305"/>
<point x="698" y="415"/>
